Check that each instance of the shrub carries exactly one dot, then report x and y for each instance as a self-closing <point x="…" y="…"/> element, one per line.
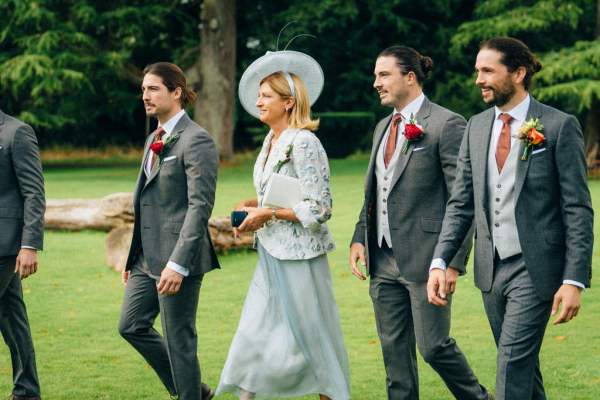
<point x="344" y="133"/>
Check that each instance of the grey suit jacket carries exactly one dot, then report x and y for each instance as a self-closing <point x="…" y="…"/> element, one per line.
<point x="173" y="205"/>
<point x="22" y="199"/>
<point x="420" y="188"/>
<point x="553" y="207"/>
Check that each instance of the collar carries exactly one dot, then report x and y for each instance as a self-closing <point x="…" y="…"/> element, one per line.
<point x="170" y="124"/>
<point x="411" y="108"/>
<point x="518" y="112"/>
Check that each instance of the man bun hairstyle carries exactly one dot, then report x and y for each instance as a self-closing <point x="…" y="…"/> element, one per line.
<point x="515" y="54"/>
<point x="172" y="77"/>
<point x="410" y="60"/>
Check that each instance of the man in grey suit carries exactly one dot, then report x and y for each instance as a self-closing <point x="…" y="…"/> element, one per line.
<point x="171" y="248"/>
<point x="532" y="211"/>
<point x="22" y="207"/>
<point x="407" y="185"/>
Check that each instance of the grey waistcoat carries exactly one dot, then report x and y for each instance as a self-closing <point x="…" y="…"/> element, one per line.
<point x="501" y="203"/>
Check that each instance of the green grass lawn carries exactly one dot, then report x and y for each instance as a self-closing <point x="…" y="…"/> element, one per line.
<point x="74" y="303"/>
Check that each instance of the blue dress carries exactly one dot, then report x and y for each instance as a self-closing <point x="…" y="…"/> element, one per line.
<point x="289" y="340"/>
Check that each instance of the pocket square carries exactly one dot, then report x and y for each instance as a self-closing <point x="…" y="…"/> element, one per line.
<point x="169" y="158"/>
<point x="538" y="151"/>
<point x="0" y="147"/>
<point x="418" y="148"/>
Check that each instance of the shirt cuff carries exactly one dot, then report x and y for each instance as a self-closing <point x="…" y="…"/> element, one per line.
<point x="178" y="268"/>
<point x="438" y="263"/>
<point x="574" y="283"/>
<point x="29" y="247"/>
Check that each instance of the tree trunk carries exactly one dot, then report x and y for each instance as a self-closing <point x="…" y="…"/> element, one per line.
<point x="216" y="70"/>
<point x="591" y="130"/>
<point x="591" y="134"/>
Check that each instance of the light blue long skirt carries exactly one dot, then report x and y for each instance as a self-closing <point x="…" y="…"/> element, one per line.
<point x="289" y="341"/>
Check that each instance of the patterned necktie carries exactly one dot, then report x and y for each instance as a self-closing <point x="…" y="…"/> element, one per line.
<point x="158" y="134"/>
<point x="390" y="146"/>
<point x="503" y="147"/>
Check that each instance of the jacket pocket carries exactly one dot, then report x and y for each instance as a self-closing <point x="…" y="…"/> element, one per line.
<point x="431" y="225"/>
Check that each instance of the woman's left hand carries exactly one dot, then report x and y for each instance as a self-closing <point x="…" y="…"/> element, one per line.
<point x="255" y="219"/>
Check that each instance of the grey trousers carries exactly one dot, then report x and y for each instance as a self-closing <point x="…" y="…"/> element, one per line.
<point x="14" y="326"/>
<point x="406" y="320"/>
<point x="173" y="356"/>
<point x="518" y="319"/>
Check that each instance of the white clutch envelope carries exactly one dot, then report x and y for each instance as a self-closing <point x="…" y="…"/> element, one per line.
<point x="282" y="192"/>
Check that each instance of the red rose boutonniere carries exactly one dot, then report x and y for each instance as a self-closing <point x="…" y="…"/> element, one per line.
<point x="157" y="147"/>
<point x="531" y="135"/>
<point x="161" y="146"/>
<point x="413" y="132"/>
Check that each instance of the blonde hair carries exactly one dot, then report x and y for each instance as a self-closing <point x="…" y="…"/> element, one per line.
<point x="299" y="114"/>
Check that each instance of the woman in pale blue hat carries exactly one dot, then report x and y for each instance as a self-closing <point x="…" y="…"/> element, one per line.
<point x="289" y="341"/>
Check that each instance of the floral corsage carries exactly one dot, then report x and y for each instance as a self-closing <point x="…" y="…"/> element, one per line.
<point x="287" y="158"/>
<point x="413" y="132"/>
<point x="161" y="146"/>
<point x="531" y="135"/>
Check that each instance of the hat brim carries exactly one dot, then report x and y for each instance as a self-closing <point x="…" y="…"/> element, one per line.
<point x="295" y="62"/>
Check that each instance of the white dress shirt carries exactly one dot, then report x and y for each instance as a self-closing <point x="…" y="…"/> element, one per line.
<point x="168" y="127"/>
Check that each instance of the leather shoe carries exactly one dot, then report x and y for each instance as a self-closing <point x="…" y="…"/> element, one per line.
<point x="17" y="397"/>
<point x="207" y="392"/>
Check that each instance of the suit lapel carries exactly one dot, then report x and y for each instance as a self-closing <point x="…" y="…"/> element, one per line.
<point x="142" y="177"/>
<point x="178" y="130"/>
<point x="481" y="129"/>
<point x="402" y="161"/>
<point x="377" y="137"/>
<point x="483" y="137"/>
<point x="2" y="119"/>
<point x="522" y="166"/>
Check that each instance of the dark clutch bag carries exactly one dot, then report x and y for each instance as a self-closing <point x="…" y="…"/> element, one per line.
<point x="237" y="217"/>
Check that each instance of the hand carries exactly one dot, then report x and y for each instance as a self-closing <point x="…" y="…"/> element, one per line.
<point x="240" y="206"/>
<point x="436" y="287"/>
<point x="570" y="297"/>
<point x="27" y="262"/>
<point x="357" y="252"/>
<point x="170" y="282"/>
<point x="451" y="279"/>
<point x="125" y="277"/>
<point x="255" y="219"/>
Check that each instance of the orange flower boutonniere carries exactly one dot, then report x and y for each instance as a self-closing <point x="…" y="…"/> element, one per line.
<point x="531" y="135"/>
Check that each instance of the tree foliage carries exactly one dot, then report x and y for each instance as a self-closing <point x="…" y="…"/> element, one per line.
<point x="72" y="68"/>
<point x="571" y="77"/>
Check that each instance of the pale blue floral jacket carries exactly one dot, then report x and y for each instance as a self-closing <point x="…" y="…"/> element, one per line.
<point x="310" y="237"/>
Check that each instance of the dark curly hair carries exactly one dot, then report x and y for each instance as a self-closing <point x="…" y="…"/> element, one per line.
<point x="515" y="54"/>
